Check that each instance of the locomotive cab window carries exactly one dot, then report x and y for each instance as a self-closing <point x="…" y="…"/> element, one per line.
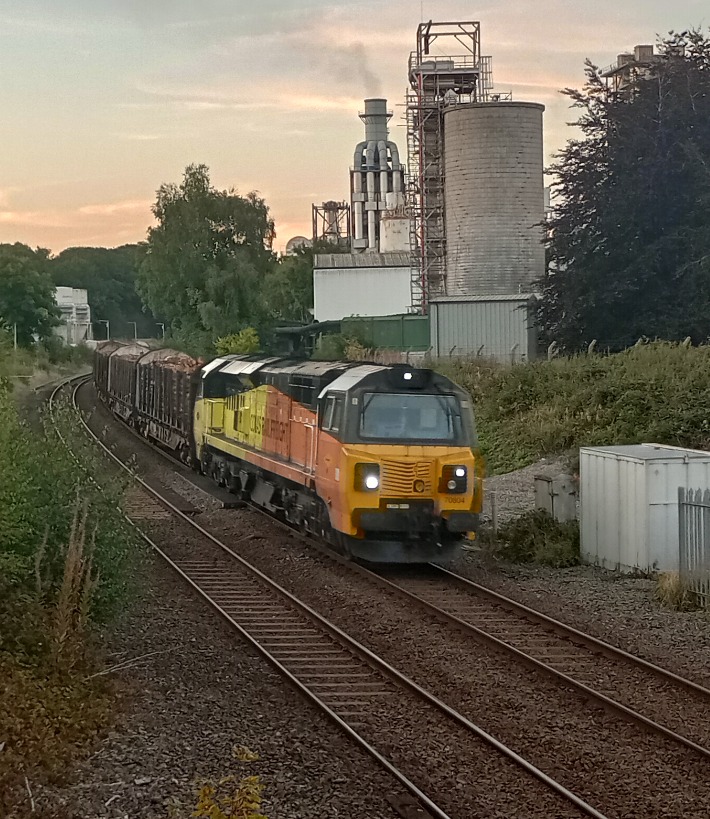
<point x="397" y="416"/>
<point x="333" y="413"/>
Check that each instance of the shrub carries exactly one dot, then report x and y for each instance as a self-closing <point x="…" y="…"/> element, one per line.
<point x="242" y="343"/>
<point x="65" y="552"/>
<point x="658" y="392"/>
<point x="536" y="537"/>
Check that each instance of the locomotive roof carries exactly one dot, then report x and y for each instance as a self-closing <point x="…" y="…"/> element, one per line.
<point x="351" y="377"/>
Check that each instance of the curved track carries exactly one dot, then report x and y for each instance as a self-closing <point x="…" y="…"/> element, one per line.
<point x="361" y="693"/>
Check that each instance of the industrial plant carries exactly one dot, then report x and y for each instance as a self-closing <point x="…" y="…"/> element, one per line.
<point x="451" y="241"/>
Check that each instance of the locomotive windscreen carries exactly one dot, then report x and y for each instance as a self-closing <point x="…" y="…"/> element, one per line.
<point x="413" y="417"/>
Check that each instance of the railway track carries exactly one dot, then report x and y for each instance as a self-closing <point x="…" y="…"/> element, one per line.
<point x="399" y="723"/>
<point x="621" y="683"/>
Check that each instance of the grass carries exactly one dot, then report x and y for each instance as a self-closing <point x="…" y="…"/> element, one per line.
<point x="653" y="392"/>
<point x="65" y="558"/>
<point x="673" y="593"/>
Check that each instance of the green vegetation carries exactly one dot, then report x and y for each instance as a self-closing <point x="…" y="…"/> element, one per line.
<point x="657" y="392"/>
<point x="109" y="277"/>
<point x="536" y="537"/>
<point x="241" y="343"/>
<point x="205" y="260"/>
<point x="27" y="303"/>
<point x="65" y="553"/>
<point x="628" y="237"/>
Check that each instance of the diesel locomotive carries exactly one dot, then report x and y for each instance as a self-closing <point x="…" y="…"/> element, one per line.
<point x="381" y="461"/>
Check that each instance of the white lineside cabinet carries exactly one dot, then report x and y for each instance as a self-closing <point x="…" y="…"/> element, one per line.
<point x="629" y="503"/>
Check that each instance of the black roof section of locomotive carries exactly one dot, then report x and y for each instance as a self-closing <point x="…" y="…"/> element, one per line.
<point x="304" y="380"/>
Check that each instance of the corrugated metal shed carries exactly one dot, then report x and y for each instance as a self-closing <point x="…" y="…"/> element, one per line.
<point x="499" y="327"/>
<point x="629" y="503"/>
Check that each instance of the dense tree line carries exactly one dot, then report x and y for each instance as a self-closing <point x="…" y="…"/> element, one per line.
<point x="629" y="236"/>
<point x="27" y="305"/>
<point x="109" y="277"/>
<point x="207" y="272"/>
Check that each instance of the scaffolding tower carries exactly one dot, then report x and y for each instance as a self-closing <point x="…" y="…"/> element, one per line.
<point x="446" y="69"/>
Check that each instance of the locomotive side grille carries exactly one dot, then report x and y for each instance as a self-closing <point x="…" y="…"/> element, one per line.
<point x="397" y="477"/>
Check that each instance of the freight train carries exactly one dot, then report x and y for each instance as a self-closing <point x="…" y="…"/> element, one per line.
<point x="380" y="461"/>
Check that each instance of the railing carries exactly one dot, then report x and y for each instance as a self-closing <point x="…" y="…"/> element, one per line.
<point x="694" y="541"/>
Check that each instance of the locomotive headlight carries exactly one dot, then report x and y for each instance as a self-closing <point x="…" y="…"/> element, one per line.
<point x="454" y="480"/>
<point x="367" y="477"/>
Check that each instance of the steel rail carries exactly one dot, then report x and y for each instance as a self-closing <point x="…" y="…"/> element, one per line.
<point x="565" y="631"/>
<point x="349" y="644"/>
<point x="486" y="637"/>
<point x="573" y="634"/>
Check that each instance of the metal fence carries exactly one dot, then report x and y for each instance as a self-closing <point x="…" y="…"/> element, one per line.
<point x="694" y="540"/>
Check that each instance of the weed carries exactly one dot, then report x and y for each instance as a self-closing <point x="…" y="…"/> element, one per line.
<point x="79" y="582"/>
<point x="64" y="563"/>
<point x="674" y="593"/>
<point x="536" y="537"/>
<point x="232" y="797"/>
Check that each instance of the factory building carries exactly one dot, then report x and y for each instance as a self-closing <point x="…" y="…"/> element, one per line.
<point x="622" y="75"/>
<point x="374" y="278"/>
<point x="360" y="284"/>
<point x="466" y="212"/>
<point x="73" y="304"/>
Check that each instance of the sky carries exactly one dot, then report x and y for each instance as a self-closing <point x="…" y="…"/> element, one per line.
<point x="102" y="101"/>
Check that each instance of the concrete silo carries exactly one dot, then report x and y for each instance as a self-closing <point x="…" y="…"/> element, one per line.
<point x="493" y="197"/>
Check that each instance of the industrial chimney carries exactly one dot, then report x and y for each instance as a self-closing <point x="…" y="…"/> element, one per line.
<point x="377" y="186"/>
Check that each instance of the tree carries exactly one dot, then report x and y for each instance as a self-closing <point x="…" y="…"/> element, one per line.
<point x="629" y="239"/>
<point x="109" y="277"/>
<point x="241" y="343"/>
<point x="289" y="287"/>
<point x="205" y="259"/>
<point x="26" y="293"/>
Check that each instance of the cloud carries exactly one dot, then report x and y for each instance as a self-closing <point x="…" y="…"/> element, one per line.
<point x="35" y="218"/>
<point x="112" y="208"/>
<point x="106" y="224"/>
<point x="6" y="195"/>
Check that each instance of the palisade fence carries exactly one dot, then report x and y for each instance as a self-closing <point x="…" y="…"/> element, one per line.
<point x="694" y="540"/>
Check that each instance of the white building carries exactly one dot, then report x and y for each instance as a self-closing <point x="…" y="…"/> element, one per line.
<point x="374" y="279"/>
<point x="76" y="315"/>
<point x="360" y="284"/>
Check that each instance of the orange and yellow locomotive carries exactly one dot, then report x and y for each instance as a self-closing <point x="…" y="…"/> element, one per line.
<point x="380" y="460"/>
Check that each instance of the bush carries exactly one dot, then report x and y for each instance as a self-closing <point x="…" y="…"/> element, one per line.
<point x="331" y="347"/>
<point x="242" y="343"/>
<point x="65" y="554"/>
<point x="536" y="537"/>
<point x="658" y="392"/>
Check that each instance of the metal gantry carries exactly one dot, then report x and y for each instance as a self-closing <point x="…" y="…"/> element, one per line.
<point x="331" y="222"/>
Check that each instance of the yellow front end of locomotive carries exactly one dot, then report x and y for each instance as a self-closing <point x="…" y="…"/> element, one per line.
<point x="413" y="490"/>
